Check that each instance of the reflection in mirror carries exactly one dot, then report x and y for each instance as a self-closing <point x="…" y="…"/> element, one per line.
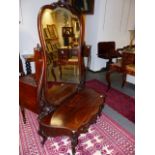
<point x="61" y="37"/>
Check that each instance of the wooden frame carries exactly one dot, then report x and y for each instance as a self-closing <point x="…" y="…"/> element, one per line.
<point x="83" y="6"/>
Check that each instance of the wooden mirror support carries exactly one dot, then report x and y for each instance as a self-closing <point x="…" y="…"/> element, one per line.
<point x="61" y="35"/>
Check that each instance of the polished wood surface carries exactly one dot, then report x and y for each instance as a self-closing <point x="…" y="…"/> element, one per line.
<point x="28" y="85"/>
<point x="126" y="65"/>
<point x="60" y="92"/>
<point x="76" y="112"/>
<point x="67" y="107"/>
<point x="73" y="117"/>
<point x="60" y="57"/>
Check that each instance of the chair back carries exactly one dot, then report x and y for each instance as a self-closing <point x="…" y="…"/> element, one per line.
<point x="106" y="49"/>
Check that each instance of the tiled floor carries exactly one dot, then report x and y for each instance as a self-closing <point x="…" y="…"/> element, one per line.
<point x="128" y="89"/>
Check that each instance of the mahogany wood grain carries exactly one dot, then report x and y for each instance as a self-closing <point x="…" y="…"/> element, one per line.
<point x="68" y="109"/>
<point x="28" y="86"/>
<point x="73" y="117"/>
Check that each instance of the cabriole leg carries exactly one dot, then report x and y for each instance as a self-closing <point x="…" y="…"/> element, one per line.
<point x="74" y="142"/>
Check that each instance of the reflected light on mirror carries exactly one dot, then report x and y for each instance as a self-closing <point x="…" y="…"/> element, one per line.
<point x="47" y="18"/>
<point x="57" y="121"/>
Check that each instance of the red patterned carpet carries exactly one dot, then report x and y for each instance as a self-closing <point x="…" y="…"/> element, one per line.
<point x="122" y="103"/>
<point x="103" y="138"/>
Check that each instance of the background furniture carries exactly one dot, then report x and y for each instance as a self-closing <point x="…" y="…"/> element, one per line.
<point x="73" y="117"/>
<point x="107" y="50"/>
<point x="126" y="65"/>
<point x="28" y="86"/>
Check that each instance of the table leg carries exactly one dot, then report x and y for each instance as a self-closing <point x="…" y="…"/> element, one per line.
<point x="43" y="135"/>
<point x="108" y="79"/>
<point x="123" y="79"/>
<point x="23" y="113"/>
<point x="74" y="142"/>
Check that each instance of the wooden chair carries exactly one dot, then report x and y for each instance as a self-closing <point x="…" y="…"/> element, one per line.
<point x="107" y="50"/>
<point x="28" y="86"/>
<point x="126" y="65"/>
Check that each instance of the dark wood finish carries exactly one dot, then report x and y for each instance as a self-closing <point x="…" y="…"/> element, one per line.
<point x="45" y="104"/>
<point x="73" y="117"/>
<point x="125" y="66"/>
<point x="107" y="50"/>
<point x="66" y="108"/>
<point x="28" y="86"/>
<point x="29" y="89"/>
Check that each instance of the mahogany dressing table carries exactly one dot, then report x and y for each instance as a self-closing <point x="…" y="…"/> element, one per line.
<point x="66" y="106"/>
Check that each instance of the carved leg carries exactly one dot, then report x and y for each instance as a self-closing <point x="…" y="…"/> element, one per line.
<point x="45" y="111"/>
<point x="108" y="64"/>
<point x="108" y="79"/>
<point x="109" y="72"/>
<point x="43" y="135"/>
<point x="123" y="79"/>
<point x="74" y="142"/>
<point x="23" y="114"/>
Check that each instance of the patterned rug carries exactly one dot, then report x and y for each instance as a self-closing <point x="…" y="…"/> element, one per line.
<point x="122" y="103"/>
<point x="103" y="138"/>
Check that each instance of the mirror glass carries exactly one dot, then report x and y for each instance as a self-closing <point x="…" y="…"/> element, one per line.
<point x="61" y="36"/>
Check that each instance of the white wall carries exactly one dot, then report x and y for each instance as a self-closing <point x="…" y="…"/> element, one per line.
<point x="110" y="22"/>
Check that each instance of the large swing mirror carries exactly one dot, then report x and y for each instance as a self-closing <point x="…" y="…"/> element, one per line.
<point x="60" y="34"/>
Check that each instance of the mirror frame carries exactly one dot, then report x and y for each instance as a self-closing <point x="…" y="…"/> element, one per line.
<point x="81" y="41"/>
